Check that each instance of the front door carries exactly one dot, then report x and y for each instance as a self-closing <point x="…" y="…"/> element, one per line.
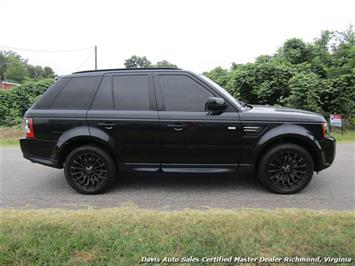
<point x="193" y="139"/>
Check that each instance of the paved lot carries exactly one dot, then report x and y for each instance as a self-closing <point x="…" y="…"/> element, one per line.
<point x="27" y="185"/>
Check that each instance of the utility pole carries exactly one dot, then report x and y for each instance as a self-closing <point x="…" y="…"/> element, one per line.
<point x="95" y="57"/>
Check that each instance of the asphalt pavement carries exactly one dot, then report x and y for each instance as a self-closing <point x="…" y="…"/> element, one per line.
<point x="27" y="185"/>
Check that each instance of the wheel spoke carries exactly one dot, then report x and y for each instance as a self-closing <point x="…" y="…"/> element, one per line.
<point x="287" y="169"/>
<point x="88" y="170"/>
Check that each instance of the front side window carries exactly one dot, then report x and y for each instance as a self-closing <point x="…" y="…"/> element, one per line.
<point x="77" y="94"/>
<point x="131" y="92"/>
<point x="182" y="93"/>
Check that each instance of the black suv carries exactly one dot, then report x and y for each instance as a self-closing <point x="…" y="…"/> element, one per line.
<point x="96" y="123"/>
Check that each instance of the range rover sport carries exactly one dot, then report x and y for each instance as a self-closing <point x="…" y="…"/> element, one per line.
<point x="96" y="124"/>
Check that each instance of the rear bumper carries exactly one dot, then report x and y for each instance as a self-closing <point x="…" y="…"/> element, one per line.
<point x="328" y="147"/>
<point x="39" y="151"/>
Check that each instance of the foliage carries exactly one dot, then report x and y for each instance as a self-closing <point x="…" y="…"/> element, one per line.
<point x="262" y="83"/>
<point x="295" y="51"/>
<point x="141" y="61"/>
<point x="14" y="68"/>
<point x="218" y="75"/>
<point x="14" y="103"/>
<point x="38" y="72"/>
<point x="165" y="63"/>
<point x="304" y="88"/>
<point x="317" y="76"/>
<point x="137" y="62"/>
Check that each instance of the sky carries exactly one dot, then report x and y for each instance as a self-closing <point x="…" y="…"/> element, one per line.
<point x="196" y="35"/>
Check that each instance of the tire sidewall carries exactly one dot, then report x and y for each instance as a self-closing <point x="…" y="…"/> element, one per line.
<point x="269" y="156"/>
<point x="109" y="164"/>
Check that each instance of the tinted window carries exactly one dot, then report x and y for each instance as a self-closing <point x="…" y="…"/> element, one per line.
<point x="77" y="94"/>
<point x="103" y="99"/>
<point x="182" y="93"/>
<point x="46" y="99"/>
<point x="131" y="92"/>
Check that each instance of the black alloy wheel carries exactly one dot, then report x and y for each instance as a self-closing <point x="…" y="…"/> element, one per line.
<point x="89" y="169"/>
<point x="286" y="168"/>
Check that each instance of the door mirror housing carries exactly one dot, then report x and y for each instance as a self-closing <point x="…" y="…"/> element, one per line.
<point x="215" y="104"/>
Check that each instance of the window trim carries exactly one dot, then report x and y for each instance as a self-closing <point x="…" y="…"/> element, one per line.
<point x="97" y="91"/>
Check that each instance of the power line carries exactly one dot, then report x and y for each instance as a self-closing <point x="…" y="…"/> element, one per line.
<point x="45" y="51"/>
<point x="83" y="63"/>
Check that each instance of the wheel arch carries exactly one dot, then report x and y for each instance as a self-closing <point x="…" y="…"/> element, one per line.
<point x="71" y="144"/>
<point x="290" y="134"/>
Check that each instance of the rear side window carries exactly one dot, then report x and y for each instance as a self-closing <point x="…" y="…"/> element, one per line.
<point x="131" y="92"/>
<point x="181" y="93"/>
<point x="103" y="99"/>
<point x="46" y="99"/>
<point x="77" y="94"/>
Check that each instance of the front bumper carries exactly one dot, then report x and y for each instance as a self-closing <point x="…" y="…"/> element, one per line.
<point x="39" y="151"/>
<point x="328" y="148"/>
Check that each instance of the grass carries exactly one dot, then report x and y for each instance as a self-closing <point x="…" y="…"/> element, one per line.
<point x="10" y="135"/>
<point x="122" y="236"/>
<point x="348" y="136"/>
<point x="9" y="142"/>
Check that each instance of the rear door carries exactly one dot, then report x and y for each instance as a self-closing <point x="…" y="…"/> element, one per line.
<point x="192" y="138"/>
<point x="125" y="109"/>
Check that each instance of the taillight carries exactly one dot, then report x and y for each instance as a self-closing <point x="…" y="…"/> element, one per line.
<point x="325" y="130"/>
<point x="30" y="133"/>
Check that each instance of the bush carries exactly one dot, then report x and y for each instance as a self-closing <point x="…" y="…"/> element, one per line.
<point x="14" y="103"/>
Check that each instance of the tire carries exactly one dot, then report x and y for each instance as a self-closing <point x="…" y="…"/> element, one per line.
<point x="286" y="168"/>
<point x="89" y="169"/>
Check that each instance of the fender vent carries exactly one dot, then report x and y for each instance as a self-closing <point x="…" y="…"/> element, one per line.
<point x="250" y="130"/>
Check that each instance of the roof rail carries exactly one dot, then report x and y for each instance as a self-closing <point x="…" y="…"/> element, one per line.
<point x="128" y="69"/>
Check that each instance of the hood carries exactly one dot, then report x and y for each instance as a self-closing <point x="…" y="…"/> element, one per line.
<point x="281" y="114"/>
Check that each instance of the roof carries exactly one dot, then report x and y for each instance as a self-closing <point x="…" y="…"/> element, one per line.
<point x="8" y="82"/>
<point x="127" y="69"/>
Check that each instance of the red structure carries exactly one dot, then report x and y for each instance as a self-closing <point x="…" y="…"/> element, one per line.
<point x="6" y="85"/>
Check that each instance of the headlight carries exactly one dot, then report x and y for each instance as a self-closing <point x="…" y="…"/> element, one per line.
<point x="325" y="129"/>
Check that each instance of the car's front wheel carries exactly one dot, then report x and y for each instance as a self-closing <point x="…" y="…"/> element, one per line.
<point x="89" y="169"/>
<point x="286" y="168"/>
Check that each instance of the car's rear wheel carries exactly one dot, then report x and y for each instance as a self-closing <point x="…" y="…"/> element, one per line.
<point x="286" y="168"/>
<point x="89" y="169"/>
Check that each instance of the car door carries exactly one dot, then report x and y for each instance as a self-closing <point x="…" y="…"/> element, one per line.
<point x="125" y="110"/>
<point x="193" y="139"/>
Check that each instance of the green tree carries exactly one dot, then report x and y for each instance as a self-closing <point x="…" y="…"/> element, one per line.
<point x="137" y="62"/>
<point x="261" y="83"/>
<point x="35" y="72"/>
<point x="3" y="62"/>
<point x="338" y="94"/>
<point x="295" y="51"/>
<point x="15" y="69"/>
<point x="219" y="75"/>
<point x="165" y="63"/>
<point x="304" y="92"/>
<point x="38" y="72"/>
<point x="48" y="72"/>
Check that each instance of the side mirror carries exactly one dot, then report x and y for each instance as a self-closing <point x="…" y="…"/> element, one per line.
<point x="215" y="104"/>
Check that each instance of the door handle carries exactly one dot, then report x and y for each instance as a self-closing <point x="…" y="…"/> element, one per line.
<point x="107" y="125"/>
<point x="177" y="127"/>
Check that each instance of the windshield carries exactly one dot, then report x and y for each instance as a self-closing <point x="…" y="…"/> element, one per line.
<point x="223" y="92"/>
